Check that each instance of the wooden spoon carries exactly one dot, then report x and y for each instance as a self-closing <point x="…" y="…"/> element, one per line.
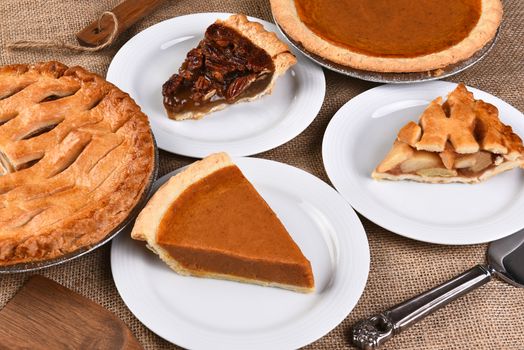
<point x="127" y="13"/>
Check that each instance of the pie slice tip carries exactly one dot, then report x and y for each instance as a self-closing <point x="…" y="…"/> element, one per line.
<point x="209" y="221"/>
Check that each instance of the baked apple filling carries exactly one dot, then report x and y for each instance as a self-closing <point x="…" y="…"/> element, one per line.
<point x="226" y="67"/>
<point x="403" y="159"/>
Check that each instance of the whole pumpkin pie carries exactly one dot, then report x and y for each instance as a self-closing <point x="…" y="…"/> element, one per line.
<point x="390" y="36"/>
<point x="209" y="221"/>
<point x="76" y="156"/>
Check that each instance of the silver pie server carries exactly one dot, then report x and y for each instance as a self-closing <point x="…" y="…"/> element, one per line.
<point x="505" y="259"/>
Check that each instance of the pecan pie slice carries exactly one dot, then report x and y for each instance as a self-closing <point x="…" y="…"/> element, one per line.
<point x="76" y="155"/>
<point x="237" y="60"/>
<point x="460" y="140"/>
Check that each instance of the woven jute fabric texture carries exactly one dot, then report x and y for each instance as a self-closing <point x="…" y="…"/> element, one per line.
<point x="491" y="317"/>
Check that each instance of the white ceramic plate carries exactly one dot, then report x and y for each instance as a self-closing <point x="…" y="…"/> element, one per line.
<point x="360" y="135"/>
<point x="146" y="61"/>
<point x="199" y="313"/>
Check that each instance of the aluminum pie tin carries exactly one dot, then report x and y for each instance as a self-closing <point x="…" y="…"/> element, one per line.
<point x="395" y="78"/>
<point x="38" y="265"/>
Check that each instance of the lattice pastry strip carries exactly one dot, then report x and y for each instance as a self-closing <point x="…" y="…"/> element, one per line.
<point x="460" y="140"/>
<point x="15" y="136"/>
<point x="51" y="194"/>
<point x="36" y="93"/>
<point x="457" y="126"/>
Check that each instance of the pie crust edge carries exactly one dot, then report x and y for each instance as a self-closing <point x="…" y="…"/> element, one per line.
<point x="88" y="227"/>
<point x="149" y="219"/>
<point x="280" y="54"/>
<point x="286" y="16"/>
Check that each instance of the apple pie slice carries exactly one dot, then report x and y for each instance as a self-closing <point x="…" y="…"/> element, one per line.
<point x="237" y="60"/>
<point x="460" y="140"/>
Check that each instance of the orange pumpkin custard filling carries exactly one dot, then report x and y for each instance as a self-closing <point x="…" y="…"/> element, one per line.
<point x="209" y="221"/>
<point x="373" y="28"/>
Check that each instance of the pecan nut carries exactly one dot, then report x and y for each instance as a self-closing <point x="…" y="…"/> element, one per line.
<point x="239" y="85"/>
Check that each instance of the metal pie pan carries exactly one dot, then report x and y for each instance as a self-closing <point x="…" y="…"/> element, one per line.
<point x="398" y="78"/>
<point x="33" y="266"/>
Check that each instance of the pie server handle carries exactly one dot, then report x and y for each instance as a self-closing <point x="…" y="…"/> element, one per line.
<point x="372" y="332"/>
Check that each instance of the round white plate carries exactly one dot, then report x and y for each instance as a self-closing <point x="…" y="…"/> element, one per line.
<point x="199" y="313"/>
<point x="360" y="135"/>
<point x="146" y="61"/>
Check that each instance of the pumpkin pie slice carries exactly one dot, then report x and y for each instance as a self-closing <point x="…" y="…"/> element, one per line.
<point x="237" y="60"/>
<point x="390" y="36"/>
<point x="209" y="221"/>
<point x="460" y="140"/>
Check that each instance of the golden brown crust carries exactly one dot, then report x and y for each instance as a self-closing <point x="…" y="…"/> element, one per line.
<point x="286" y="16"/>
<point x="69" y="186"/>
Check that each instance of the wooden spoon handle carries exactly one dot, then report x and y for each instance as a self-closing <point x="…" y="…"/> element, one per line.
<point x="128" y="13"/>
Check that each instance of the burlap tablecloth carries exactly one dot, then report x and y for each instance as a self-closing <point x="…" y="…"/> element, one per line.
<point x="491" y="317"/>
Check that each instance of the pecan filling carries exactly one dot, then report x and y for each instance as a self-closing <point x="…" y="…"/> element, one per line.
<point x="224" y="68"/>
